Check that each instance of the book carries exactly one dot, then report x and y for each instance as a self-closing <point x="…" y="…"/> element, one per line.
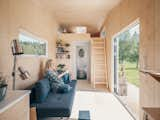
<point x="16" y="48"/>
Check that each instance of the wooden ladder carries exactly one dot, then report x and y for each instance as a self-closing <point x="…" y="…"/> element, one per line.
<point x="99" y="64"/>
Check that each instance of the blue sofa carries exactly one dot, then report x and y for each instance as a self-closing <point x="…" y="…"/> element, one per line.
<point x="50" y="104"/>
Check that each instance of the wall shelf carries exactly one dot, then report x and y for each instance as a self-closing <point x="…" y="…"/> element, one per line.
<point x="65" y="52"/>
<point x="62" y="51"/>
<point x="153" y="112"/>
<point x="152" y="73"/>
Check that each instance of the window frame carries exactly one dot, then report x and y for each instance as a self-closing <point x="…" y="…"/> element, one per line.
<point x="33" y="36"/>
<point x="129" y="26"/>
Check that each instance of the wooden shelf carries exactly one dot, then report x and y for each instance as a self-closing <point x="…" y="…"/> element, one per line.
<point x="153" y="112"/>
<point x="152" y="73"/>
<point x="14" y="54"/>
<point x="62" y="52"/>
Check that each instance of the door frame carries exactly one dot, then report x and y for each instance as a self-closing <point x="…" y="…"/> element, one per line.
<point x="134" y="23"/>
<point x="116" y="61"/>
<point x="78" y="43"/>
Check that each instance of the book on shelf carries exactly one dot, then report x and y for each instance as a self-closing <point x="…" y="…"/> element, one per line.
<point x="16" y="48"/>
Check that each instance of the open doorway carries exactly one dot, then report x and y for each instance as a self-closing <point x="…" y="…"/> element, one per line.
<point x="82" y="60"/>
<point x="126" y="67"/>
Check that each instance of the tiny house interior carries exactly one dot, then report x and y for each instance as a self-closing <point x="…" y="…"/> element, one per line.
<point x="109" y="47"/>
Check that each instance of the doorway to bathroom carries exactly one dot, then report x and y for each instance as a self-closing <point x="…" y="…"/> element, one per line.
<point x="82" y="60"/>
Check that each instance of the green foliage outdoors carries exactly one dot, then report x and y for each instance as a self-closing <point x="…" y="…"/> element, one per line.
<point x="129" y="55"/>
<point x="128" y="47"/>
<point x="33" y="48"/>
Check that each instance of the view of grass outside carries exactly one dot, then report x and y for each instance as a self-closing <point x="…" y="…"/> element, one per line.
<point x="33" y="48"/>
<point x="32" y="45"/>
<point x="132" y="74"/>
<point x="129" y="54"/>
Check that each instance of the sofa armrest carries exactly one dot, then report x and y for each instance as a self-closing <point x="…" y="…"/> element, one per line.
<point x="32" y="95"/>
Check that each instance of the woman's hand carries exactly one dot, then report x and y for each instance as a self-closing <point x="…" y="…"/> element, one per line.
<point x="66" y="71"/>
<point x="61" y="75"/>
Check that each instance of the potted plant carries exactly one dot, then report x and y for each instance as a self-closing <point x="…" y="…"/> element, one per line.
<point x="67" y="44"/>
<point x="3" y="86"/>
<point x="59" y="43"/>
<point x="60" y="68"/>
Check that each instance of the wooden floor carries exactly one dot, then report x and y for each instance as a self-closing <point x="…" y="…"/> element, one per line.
<point x="101" y="104"/>
<point x="84" y="85"/>
<point x="131" y="101"/>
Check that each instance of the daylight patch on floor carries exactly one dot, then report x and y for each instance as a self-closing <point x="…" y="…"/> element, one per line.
<point x="101" y="106"/>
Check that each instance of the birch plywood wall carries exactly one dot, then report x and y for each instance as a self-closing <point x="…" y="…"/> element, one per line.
<point x="157" y="34"/>
<point x="147" y="11"/>
<point x="27" y="15"/>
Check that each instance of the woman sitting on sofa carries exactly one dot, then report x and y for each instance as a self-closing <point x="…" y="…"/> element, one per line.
<point x="56" y="82"/>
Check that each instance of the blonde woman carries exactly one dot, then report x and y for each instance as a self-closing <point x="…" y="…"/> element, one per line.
<point x="56" y="82"/>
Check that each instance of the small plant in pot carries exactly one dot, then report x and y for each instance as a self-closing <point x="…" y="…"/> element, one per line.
<point x="60" y="68"/>
<point x="59" y="43"/>
<point x="3" y="86"/>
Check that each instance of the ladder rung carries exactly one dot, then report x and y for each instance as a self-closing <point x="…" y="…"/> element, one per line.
<point x="100" y="77"/>
<point x="101" y="64"/>
<point x="99" y="60"/>
<point x="98" y="47"/>
<point x="100" y="74"/>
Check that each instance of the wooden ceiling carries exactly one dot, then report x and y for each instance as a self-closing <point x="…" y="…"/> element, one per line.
<point x="90" y="13"/>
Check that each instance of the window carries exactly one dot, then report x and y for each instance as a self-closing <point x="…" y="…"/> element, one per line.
<point x="80" y="29"/>
<point x="32" y="45"/>
<point x="126" y="67"/>
<point x="103" y="33"/>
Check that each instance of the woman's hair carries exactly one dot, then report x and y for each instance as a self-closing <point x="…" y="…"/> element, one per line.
<point x="49" y="63"/>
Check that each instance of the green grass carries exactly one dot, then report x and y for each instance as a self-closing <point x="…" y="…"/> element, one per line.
<point x="132" y="73"/>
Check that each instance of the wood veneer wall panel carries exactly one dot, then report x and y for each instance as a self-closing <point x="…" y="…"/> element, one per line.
<point x="148" y="13"/>
<point x="157" y="34"/>
<point x="157" y="49"/>
<point x="29" y="16"/>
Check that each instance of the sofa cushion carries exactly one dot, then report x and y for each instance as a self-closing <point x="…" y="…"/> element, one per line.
<point x="64" y="88"/>
<point x="42" y="89"/>
<point x="57" y="105"/>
